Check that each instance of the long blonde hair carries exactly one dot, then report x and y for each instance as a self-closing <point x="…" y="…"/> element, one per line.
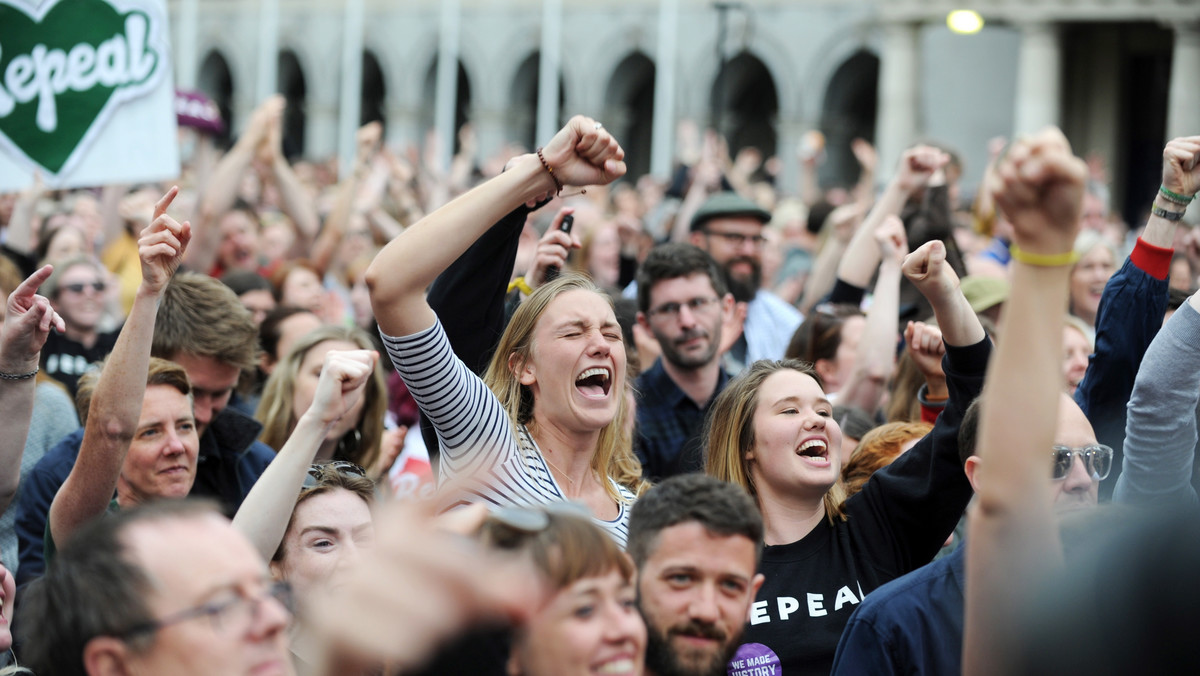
<point x="729" y="430"/>
<point x="276" y="410"/>
<point x="613" y="455"/>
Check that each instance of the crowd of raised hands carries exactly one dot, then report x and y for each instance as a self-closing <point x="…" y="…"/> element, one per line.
<point x="887" y="278"/>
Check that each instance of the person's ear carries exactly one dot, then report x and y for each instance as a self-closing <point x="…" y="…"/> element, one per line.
<point x="643" y="321"/>
<point x="697" y="238"/>
<point x="827" y="369"/>
<point x="522" y="369"/>
<point x="513" y="666"/>
<point x="972" y="470"/>
<point x="755" y="585"/>
<point x="106" y="656"/>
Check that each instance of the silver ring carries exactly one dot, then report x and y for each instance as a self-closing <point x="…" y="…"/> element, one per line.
<point x="599" y="126"/>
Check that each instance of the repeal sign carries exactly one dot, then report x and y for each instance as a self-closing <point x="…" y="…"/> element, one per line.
<point x="67" y="68"/>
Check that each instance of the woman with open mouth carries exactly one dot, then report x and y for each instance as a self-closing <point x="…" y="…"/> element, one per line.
<point x="545" y="423"/>
<point x="772" y="431"/>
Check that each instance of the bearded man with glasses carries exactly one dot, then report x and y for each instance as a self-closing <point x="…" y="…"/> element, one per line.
<point x="682" y="301"/>
<point x="730" y="228"/>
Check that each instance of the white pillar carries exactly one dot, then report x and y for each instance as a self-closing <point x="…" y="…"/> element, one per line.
<point x="186" y="59"/>
<point x="446" y="97"/>
<point x="1183" y="99"/>
<point x="350" y="106"/>
<point x="1039" y="72"/>
<point x="268" y="50"/>
<point x="549" y="66"/>
<point x="662" y="136"/>
<point x="896" y="127"/>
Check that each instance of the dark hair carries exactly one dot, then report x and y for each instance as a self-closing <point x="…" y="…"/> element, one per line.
<point x="817" y="215"/>
<point x="245" y="281"/>
<point x="1176" y="298"/>
<point x="92" y="589"/>
<point x="672" y="261"/>
<point x="721" y="507"/>
<point x="968" y="429"/>
<point x="819" y="336"/>
<point x="271" y="329"/>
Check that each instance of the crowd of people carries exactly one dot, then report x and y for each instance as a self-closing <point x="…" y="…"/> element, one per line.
<point x="699" y="426"/>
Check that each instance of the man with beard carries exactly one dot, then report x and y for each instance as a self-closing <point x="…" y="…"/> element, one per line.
<point x="696" y="542"/>
<point x="730" y="228"/>
<point x="682" y="301"/>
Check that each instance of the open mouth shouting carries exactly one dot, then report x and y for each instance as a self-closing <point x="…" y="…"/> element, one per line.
<point x="594" y="383"/>
<point x="815" y="452"/>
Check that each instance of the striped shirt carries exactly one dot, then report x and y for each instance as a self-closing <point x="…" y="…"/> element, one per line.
<point x="478" y="438"/>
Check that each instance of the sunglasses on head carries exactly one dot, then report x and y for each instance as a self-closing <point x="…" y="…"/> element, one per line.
<point x="510" y="527"/>
<point x="1097" y="459"/>
<point x="79" y="287"/>
<point x="317" y="473"/>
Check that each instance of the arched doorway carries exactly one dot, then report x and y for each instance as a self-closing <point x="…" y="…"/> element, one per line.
<point x="747" y="104"/>
<point x="217" y="82"/>
<point x="629" y="110"/>
<point x="291" y="83"/>
<point x="524" y="97"/>
<point x="848" y="112"/>
<point x="374" y="90"/>
<point x="462" y="100"/>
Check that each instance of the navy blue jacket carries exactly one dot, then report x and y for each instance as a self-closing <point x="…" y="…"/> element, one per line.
<point x="911" y="625"/>
<point x="1130" y="315"/>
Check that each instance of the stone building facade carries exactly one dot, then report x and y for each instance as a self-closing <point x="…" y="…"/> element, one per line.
<point x="1118" y="75"/>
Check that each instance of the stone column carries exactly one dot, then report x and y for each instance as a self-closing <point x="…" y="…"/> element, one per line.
<point x="1039" y="73"/>
<point x="1183" y="99"/>
<point x="663" y="136"/>
<point x="896" y="127"/>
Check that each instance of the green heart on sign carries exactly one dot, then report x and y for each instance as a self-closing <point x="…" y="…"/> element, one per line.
<point x="61" y="75"/>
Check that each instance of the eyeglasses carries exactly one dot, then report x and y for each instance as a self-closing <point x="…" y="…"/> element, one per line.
<point x="232" y="616"/>
<point x="98" y="287"/>
<point x="671" y="310"/>
<point x="317" y="473"/>
<point x="1097" y="458"/>
<point x="737" y="238"/>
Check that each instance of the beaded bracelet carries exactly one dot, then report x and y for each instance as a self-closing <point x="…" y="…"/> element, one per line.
<point x="1175" y="197"/>
<point x="550" y="170"/>
<point x="1168" y="215"/>
<point x="1043" y="260"/>
<point x="19" y="376"/>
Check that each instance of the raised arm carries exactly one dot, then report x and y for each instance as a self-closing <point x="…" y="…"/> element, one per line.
<point x="1132" y="308"/>
<point x="27" y="322"/>
<point x="1160" y="433"/>
<point x="265" y="512"/>
<point x="222" y="189"/>
<point x="581" y="153"/>
<point x="1013" y="535"/>
<point x="862" y="257"/>
<point x="876" y="356"/>
<point x="294" y="199"/>
<point x="116" y="404"/>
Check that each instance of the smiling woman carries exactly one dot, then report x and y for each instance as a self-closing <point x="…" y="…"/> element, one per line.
<point x="772" y="432"/>
<point x="546" y="422"/>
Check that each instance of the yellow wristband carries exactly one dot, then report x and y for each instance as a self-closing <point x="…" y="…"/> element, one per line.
<point x="520" y="283"/>
<point x="1043" y="260"/>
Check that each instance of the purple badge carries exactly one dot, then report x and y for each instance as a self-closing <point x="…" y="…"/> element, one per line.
<point x="754" y="659"/>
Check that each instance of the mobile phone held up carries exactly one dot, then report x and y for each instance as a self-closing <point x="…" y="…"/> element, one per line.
<point x="568" y="222"/>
